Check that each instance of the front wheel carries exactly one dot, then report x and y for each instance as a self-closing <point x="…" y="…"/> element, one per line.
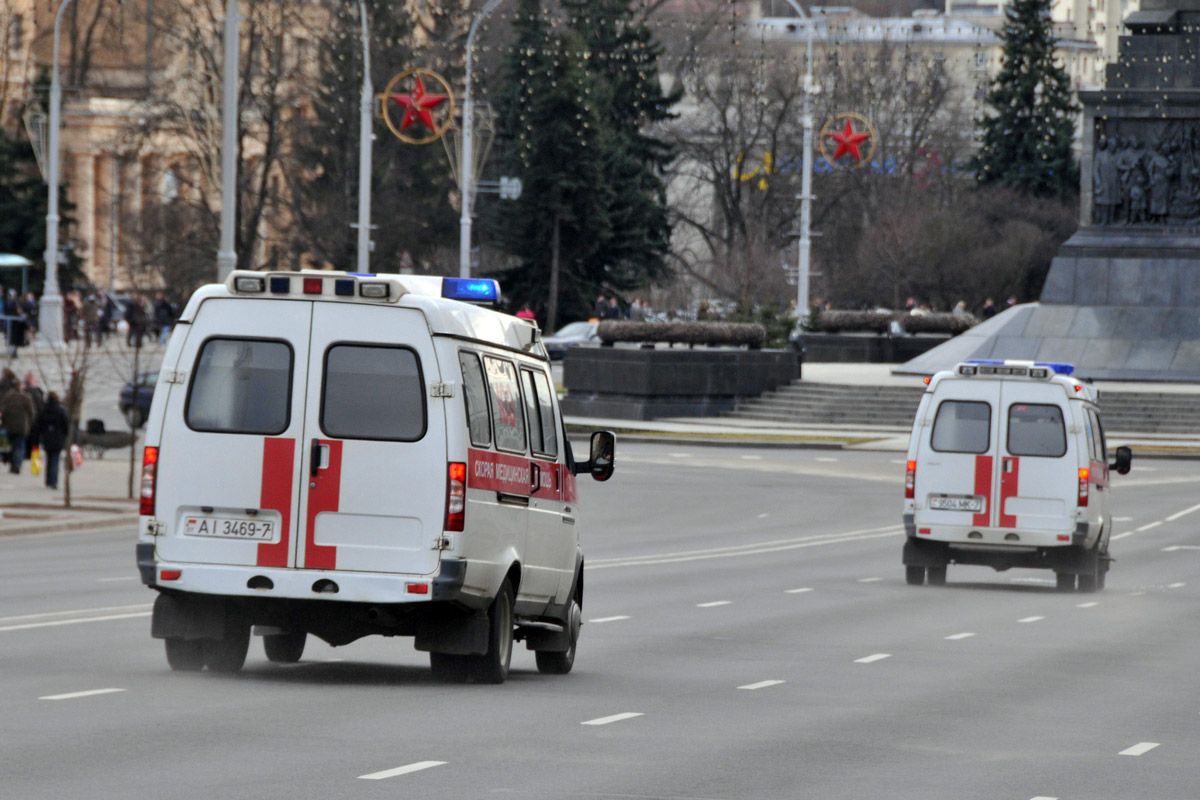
<point x="1065" y="581"/>
<point x="184" y="655"/>
<point x="492" y="666"/>
<point x="550" y="662"/>
<point x="285" y="648"/>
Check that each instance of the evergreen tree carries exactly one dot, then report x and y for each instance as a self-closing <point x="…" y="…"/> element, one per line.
<point x="1027" y="136"/>
<point x="549" y="135"/>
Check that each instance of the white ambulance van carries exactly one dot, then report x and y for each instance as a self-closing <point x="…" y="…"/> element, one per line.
<point x="1008" y="467"/>
<point x="343" y="454"/>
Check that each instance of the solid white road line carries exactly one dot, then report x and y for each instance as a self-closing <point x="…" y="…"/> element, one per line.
<point x="869" y="580"/>
<point x="1141" y="748"/>
<point x="1121" y="536"/>
<point x="1177" y="547"/>
<point x="1093" y="604"/>
<point x="74" y="695"/>
<point x="714" y="604"/>
<point x="405" y="770"/>
<point x="1184" y="513"/>
<point x="872" y="659"/>
<point x="959" y="636"/>
<point x="1178" y="585"/>
<point x="760" y="685"/>
<point x="1031" y="619"/>
<point x="58" y="622"/>
<point x="613" y="718"/>
<point x="617" y="618"/>
<point x="1148" y="526"/>
<point x="73" y="612"/>
<point x="801" y="590"/>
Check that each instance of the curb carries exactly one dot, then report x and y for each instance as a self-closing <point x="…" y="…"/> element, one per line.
<point x="66" y="526"/>
<point x="701" y="442"/>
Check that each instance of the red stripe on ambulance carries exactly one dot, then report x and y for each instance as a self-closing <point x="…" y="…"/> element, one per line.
<point x="324" y="494"/>
<point x="1009" y="482"/>
<point x="500" y="472"/>
<point x="983" y="488"/>
<point x="278" y="469"/>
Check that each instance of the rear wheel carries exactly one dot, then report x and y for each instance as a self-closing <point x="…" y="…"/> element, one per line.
<point x="550" y="662"/>
<point x="285" y="648"/>
<point x="1065" y="581"/>
<point x="184" y="655"/>
<point x="449" y="668"/>
<point x="492" y="666"/>
<point x="914" y="576"/>
<point x="227" y="654"/>
<point x="937" y="575"/>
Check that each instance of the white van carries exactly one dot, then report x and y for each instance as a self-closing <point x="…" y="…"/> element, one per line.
<point x="343" y="454"/>
<point x="1008" y="467"/>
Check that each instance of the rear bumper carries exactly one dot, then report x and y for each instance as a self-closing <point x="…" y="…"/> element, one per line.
<point x="1000" y="539"/>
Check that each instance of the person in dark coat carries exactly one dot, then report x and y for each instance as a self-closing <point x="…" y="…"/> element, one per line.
<point x="16" y="411"/>
<point x="52" y="428"/>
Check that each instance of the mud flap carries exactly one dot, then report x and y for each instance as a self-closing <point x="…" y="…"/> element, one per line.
<point x="453" y="633"/>
<point x="187" y="617"/>
<point x="924" y="554"/>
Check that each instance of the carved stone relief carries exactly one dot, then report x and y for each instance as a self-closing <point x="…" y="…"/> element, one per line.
<point x="1146" y="172"/>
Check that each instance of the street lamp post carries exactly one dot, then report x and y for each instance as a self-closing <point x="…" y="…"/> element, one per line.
<point x="805" y="244"/>
<point x="364" y="150"/>
<point x="50" y="314"/>
<point x="227" y="255"/>
<point x="466" y="169"/>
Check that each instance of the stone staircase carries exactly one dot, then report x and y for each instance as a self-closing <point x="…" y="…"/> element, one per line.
<point x="856" y="406"/>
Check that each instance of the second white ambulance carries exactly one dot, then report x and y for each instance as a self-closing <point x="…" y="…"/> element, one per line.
<point x="340" y="455"/>
<point x="1008" y="467"/>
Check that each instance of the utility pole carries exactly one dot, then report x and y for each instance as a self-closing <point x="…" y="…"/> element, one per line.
<point x="227" y="254"/>
<point x="805" y="243"/>
<point x="365" y="135"/>
<point x="50" y="313"/>
<point x="466" y="167"/>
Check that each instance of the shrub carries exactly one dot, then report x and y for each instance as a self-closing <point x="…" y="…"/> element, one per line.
<point x="880" y="322"/>
<point x="735" y="334"/>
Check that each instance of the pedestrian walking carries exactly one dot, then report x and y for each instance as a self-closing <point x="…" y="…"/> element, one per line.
<point x="52" y="428"/>
<point x="137" y="318"/>
<point x="164" y="317"/>
<point x="38" y="397"/>
<point x="16" y="412"/>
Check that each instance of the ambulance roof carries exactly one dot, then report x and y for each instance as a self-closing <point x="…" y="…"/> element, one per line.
<point x="1056" y="372"/>
<point x="451" y="306"/>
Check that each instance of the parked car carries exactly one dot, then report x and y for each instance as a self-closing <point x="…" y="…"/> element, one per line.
<point x="137" y="410"/>
<point x="568" y="336"/>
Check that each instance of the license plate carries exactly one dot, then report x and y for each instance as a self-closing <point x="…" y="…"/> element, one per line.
<point x="956" y="502"/>
<point x="230" y="528"/>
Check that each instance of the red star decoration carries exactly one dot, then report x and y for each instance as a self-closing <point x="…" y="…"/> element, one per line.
<point x="848" y="141"/>
<point x="418" y="105"/>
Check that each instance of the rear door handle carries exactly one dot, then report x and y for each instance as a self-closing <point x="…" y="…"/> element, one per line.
<point x="535" y="476"/>
<point x="315" y="454"/>
<point x="512" y="499"/>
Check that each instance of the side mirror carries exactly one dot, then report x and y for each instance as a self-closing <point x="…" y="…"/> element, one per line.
<point x="1124" y="461"/>
<point x="604" y="447"/>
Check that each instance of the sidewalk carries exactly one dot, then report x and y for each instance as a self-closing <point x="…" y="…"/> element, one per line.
<point x="98" y="498"/>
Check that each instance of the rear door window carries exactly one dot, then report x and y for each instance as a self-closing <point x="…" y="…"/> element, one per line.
<point x="1099" y="429"/>
<point x="373" y="392"/>
<point x="1036" y="430"/>
<point x="962" y="426"/>
<point x="479" y="423"/>
<point x="543" y="435"/>
<point x="241" y="386"/>
<point x="508" y="414"/>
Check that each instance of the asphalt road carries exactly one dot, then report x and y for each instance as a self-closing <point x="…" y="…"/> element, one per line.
<point x="749" y="635"/>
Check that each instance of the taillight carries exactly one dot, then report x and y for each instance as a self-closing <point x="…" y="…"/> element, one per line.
<point x="1083" y="487"/>
<point x="149" y="480"/>
<point x="456" y="495"/>
<point x="910" y="480"/>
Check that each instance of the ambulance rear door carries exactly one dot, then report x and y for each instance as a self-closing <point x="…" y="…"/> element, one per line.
<point x="373" y="456"/>
<point x="229" y="453"/>
<point x="956" y="465"/>
<point x="1038" y="471"/>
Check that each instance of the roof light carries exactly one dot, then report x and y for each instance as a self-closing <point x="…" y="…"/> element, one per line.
<point x="1040" y="372"/>
<point x="343" y="287"/>
<point x="374" y="291"/>
<point x="471" y="290"/>
<point x="281" y="284"/>
<point x="1059" y="367"/>
<point x="313" y="285"/>
<point x="927" y="380"/>
<point x="967" y="370"/>
<point x="243" y="284"/>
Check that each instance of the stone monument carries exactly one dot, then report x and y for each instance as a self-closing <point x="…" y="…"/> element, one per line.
<point x="1122" y="299"/>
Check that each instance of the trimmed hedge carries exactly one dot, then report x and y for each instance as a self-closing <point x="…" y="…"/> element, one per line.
<point x="880" y="322"/>
<point x="729" y="334"/>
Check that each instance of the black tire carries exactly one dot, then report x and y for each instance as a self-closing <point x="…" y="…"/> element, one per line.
<point x="492" y="666"/>
<point x="227" y="654"/>
<point x="550" y="662"/>
<point x="135" y="418"/>
<point x="184" y="655"/>
<point x="1102" y="574"/>
<point x="914" y="576"/>
<point x="937" y="575"/>
<point x="285" y="648"/>
<point x="449" y="668"/>
<point x="1065" y="581"/>
<point x="1088" y="583"/>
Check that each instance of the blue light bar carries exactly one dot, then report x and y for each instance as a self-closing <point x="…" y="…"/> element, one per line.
<point x="987" y="362"/>
<point x="343" y="287"/>
<point x="471" y="290"/>
<point x="280" y="284"/>
<point x="1059" y="367"/>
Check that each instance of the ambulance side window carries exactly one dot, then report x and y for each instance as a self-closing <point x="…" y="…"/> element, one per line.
<point x="507" y="411"/>
<point x="1093" y="448"/>
<point x="1099" y="428"/>
<point x="962" y="426"/>
<point x="475" y="395"/>
<point x="373" y="392"/>
<point x="1036" y="430"/>
<point x="241" y="386"/>
<point x="538" y="406"/>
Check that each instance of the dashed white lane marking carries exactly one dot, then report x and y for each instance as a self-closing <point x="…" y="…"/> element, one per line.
<point x="1184" y="513"/>
<point x="751" y="458"/>
<point x="869" y="580"/>
<point x="801" y="590"/>
<point x="1136" y="594"/>
<point x="617" y="618"/>
<point x="1141" y="748"/>
<point x="613" y="718"/>
<point x="1046" y="581"/>
<point x="714" y="604"/>
<point x="959" y="636"/>
<point x="1092" y="604"/>
<point x="680" y="455"/>
<point x="1176" y="547"/>
<point x="1122" y="535"/>
<point x="77" y="611"/>
<point x="58" y="622"/>
<point x="872" y="659"/>
<point x="1148" y="526"/>
<point x="899" y="461"/>
<point x="121" y="579"/>
<point x="405" y="770"/>
<point x="1043" y="797"/>
<point x="1122" y="519"/>
<point x="760" y="685"/>
<point x="1031" y="619"/>
<point x="827" y="460"/>
<point x="75" y="695"/>
<point x="1178" y="585"/>
<point x="764" y="515"/>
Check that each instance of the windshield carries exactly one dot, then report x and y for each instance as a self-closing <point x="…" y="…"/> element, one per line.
<point x="574" y="330"/>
